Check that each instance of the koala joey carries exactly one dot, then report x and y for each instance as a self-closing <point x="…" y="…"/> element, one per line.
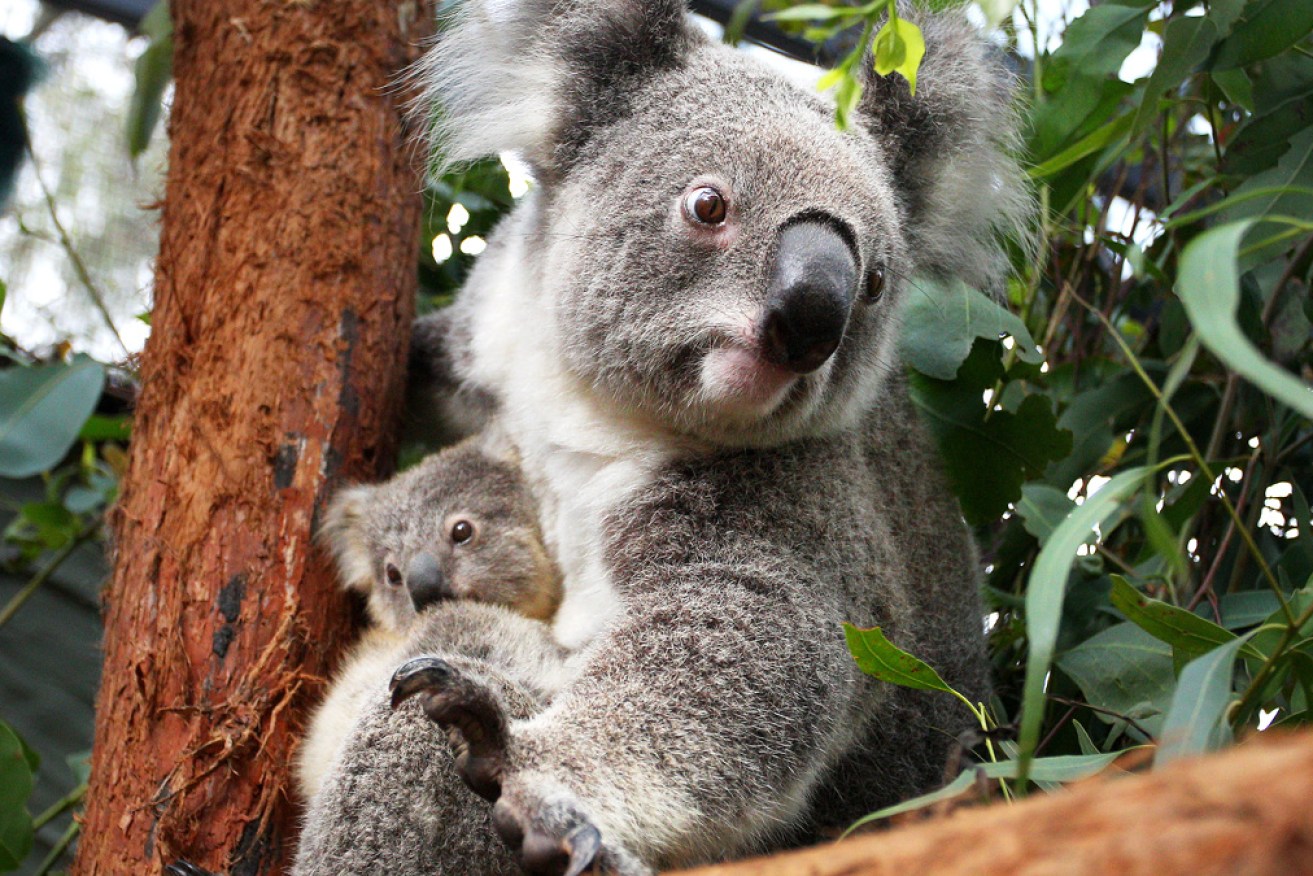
<point x="689" y="328"/>
<point x="459" y="526"/>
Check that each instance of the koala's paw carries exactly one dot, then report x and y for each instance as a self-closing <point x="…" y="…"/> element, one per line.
<point x="554" y="837"/>
<point x="470" y="713"/>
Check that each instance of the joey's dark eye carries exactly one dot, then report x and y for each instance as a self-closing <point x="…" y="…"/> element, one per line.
<point x="706" y="206"/>
<point x="394" y="575"/>
<point x="462" y="531"/>
<point x="875" y="284"/>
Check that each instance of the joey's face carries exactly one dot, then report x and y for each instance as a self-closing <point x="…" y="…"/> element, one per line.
<point x="459" y="525"/>
<point x="728" y="260"/>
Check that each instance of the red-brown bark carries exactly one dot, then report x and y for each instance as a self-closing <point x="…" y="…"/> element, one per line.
<point x="283" y="299"/>
<point x="1245" y="811"/>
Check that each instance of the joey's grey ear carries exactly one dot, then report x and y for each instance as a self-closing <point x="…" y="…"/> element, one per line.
<point x="536" y="76"/>
<point x="342" y="533"/>
<point x="954" y="147"/>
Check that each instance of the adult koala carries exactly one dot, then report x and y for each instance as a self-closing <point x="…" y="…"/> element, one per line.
<point x="689" y="327"/>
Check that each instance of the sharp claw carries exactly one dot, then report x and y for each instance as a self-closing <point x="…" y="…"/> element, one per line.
<point x="420" y="674"/>
<point x="583" y="845"/>
<point x="472" y="717"/>
<point x="543" y="853"/>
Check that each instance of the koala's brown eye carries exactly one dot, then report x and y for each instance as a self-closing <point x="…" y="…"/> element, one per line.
<point x="705" y="205"/>
<point x="875" y="284"/>
<point x="393" y="574"/>
<point x="462" y="531"/>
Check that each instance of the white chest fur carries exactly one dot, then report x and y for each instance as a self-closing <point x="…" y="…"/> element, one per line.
<point x="581" y="459"/>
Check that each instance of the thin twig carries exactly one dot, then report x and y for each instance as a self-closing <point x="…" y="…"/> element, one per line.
<point x="69" y="800"/>
<point x="79" y="267"/>
<point x="66" y="840"/>
<point x="21" y="597"/>
<point x="1102" y="711"/>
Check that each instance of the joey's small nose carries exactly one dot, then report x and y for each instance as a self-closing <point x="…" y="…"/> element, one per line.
<point x="811" y="293"/>
<point x="425" y="581"/>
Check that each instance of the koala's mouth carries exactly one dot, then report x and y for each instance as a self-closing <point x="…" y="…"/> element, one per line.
<point x="741" y="382"/>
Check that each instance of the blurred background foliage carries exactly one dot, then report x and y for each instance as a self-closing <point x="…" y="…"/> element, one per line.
<point x="1129" y="432"/>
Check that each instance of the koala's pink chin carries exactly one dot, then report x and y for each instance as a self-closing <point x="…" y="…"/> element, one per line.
<point x="740" y="381"/>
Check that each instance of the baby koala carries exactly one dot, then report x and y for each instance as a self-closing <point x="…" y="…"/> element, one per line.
<point x="458" y="527"/>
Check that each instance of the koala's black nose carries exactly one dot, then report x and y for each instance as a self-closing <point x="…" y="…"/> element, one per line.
<point x="811" y="293"/>
<point x="425" y="581"/>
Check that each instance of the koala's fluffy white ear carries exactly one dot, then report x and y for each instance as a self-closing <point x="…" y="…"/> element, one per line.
<point x="954" y="148"/>
<point x="341" y="532"/>
<point x="520" y="75"/>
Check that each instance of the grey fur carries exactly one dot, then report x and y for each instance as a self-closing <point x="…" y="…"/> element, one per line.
<point x="423" y="820"/>
<point x="504" y="564"/>
<point x="368" y="527"/>
<point x="721" y="543"/>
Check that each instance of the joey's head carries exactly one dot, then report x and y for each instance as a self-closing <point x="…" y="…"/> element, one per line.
<point x="459" y="525"/>
<point x="710" y="252"/>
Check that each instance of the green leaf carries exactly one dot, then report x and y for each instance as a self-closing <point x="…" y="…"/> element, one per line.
<point x="1187" y="41"/>
<point x="953" y="789"/>
<point x="878" y="657"/>
<point x="1246" y="609"/>
<point x="1209" y="287"/>
<point x="1064" y="768"/>
<point x="153" y="71"/>
<point x="1042" y="508"/>
<point x="942" y="320"/>
<point x="103" y="428"/>
<point x="899" y="47"/>
<point x="15" y="787"/>
<point x="813" y="12"/>
<point x="1047" y="589"/>
<point x="1267" y="28"/>
<point x="1189" y="634"/>
<point x="1087" y="745"/>
<point x="1284" y="190"/>
<point x="42" y="409"/>
<point x="1097" y="140"/>
<point x="1125" y="670"/>
<point x="988" y="454"/>
<point x="1194" y="720"/>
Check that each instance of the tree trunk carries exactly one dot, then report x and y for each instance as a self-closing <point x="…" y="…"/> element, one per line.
<point x="1242" y="811"/>
<point x="283" y="300"/>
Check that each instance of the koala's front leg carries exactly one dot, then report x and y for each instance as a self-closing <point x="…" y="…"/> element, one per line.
<point x="556" y="837"/>
<point x="696" y="729"/>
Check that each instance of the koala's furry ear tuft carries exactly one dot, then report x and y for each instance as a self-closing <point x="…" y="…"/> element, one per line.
<point x="343" y="534"/>
<point x="954" y="148"/>
<point x="534" y="76"/>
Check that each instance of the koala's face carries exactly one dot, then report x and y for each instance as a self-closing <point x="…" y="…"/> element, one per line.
<point x="727" y="259"/>
<point x="711" y="255"/>
<point x="460" y="525"/>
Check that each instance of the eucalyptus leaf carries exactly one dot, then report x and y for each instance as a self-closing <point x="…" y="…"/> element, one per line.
<point x="1042" y="509"/>
<point x="1267" y="28"/>
<point x="15" y="785"/>
<point x="42" y="409"/>
<point x="1194" y="720"/>
<point x="941" y="321"/>
<point x="878" y="657"/>
<point x="1187" y="633"/>
<point x="1123" y="670"/>
<point x="1187" y="41"/>
<point x="1060" y="769"/>
<point x="1047" y="589"/>
<point x="1209" y="288"/>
